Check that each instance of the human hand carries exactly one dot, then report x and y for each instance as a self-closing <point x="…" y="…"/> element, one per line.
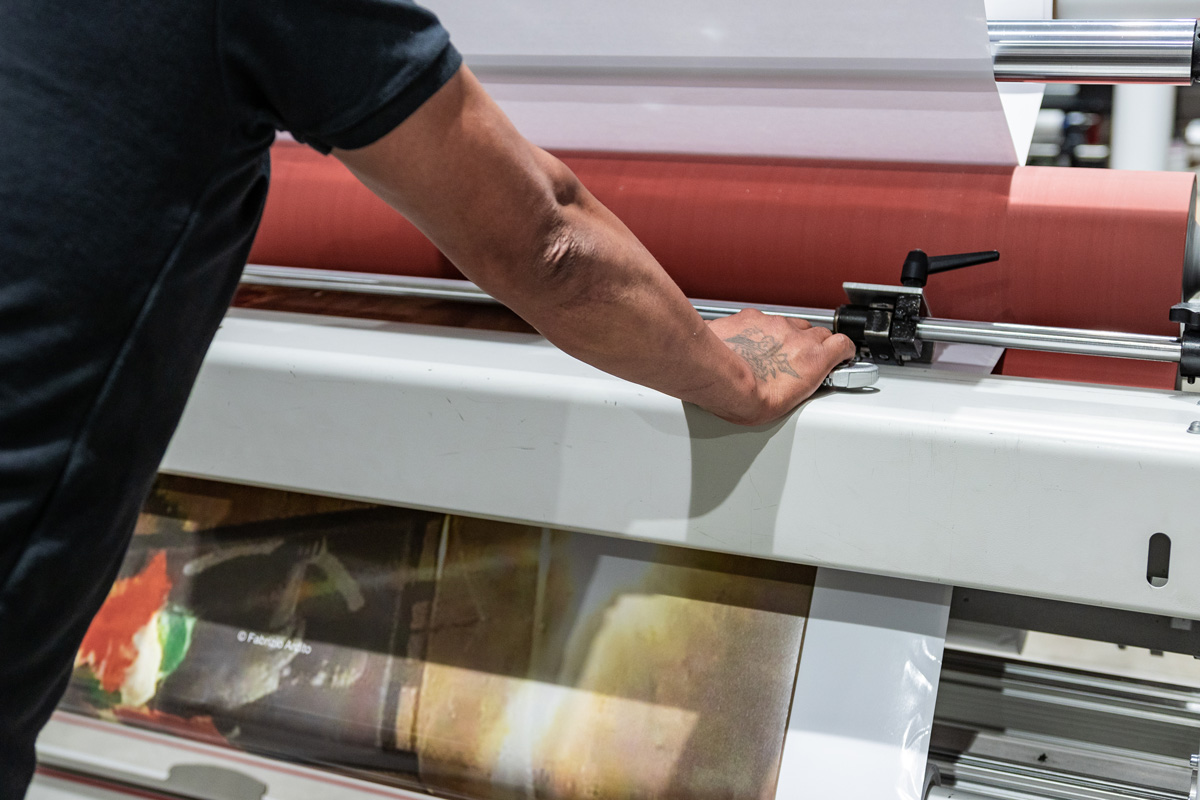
<point x="789" y="358"/>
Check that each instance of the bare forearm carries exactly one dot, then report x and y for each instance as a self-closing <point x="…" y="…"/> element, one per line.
<point x="516" y="221"/>
<point x="599" y="295"/>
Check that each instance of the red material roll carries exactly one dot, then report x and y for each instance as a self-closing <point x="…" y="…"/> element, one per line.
<point x="319" y="216"/>
<point x="1099" y="249"/>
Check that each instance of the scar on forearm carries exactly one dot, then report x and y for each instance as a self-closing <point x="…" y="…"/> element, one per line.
<point x="762" y="352"/>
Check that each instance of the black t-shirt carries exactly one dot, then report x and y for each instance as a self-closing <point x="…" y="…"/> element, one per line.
<point x="133" y="169"/>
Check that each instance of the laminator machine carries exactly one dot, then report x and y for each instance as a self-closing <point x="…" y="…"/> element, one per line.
<point x="565" y="585"/>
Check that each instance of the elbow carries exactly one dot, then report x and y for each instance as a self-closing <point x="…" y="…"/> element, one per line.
<point x="553" y="268"/>
<point x="574" y="273"/>
<point x="565" y="258"/>
<point x="567" y="250"/>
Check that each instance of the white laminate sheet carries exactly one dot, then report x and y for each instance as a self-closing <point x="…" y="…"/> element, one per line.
<point x="1021" y="101"/>
<point x="873" y="79"/>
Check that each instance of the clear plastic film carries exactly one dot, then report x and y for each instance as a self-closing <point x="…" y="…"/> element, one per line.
<point x="449" y="655"/>
<point x="490" y="660"/>
<point x="862" y="711"/>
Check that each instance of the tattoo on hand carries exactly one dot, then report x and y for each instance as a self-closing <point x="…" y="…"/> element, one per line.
<point x="762" y="352"/>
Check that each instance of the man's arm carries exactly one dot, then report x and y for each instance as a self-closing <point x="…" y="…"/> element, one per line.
<point x="519" y="224"/>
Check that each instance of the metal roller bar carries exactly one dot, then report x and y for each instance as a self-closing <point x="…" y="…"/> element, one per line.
<point x="364" y="283"/>
<point x="463" y="291"/>
<point x="1075" y="341"/>
<point x="986" y="779"/>
<point x="1102" y="51"/>
<point x="1037" y="50"/>
<point x="712" y="309"/>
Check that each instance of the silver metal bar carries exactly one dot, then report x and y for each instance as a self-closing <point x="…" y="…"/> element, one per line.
<point x="1038" y="50"/>
<point x="364" y="283"/>
<point x="462" y="290"/>
<point x="714" y="309"/>
<point x="987" y="779"/>
<point x="1101" y="51"/>
<point x="1076" y="341"/>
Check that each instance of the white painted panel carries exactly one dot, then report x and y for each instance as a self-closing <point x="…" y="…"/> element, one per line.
<point x="1032" y="487"/>
<point x="862" y="712"/>
<point x="151" y="761"/>
<point x="52" y="788"/>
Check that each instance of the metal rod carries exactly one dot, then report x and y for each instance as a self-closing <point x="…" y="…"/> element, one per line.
<point x="1075" y="341"/>
<point x="1102" y="51"/>
<point x="1037" y="50"/>
<point x="713" y="309"/>
<point x="364" y="283"/>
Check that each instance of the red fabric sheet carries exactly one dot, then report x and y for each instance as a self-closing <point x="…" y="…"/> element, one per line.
<point x="1081" y="248"/>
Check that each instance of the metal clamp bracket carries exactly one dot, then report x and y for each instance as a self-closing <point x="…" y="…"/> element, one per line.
<point x="884" y="320"/>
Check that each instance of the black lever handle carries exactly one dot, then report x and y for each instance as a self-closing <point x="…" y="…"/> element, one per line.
<point x="918" y="266"/>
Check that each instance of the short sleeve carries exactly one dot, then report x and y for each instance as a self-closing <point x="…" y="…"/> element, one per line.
<point x="333" y="73"/>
